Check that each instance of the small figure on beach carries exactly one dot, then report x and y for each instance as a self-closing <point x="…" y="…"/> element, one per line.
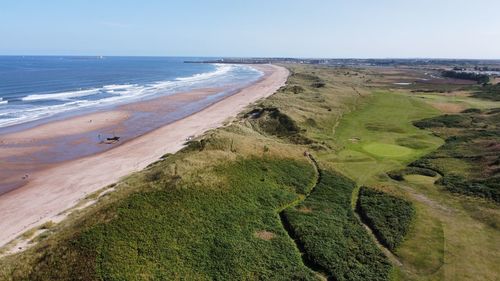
<point x="113" y="139"/>
<point x="108" y="140"/>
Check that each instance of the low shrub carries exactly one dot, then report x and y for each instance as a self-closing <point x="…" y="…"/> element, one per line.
<point x="305" y="76"/>
<point x="479" y="78"/>
<point x="191" y="233"/>
<point x="388" y="216"/>
<point x="489" y="92"/>
<point x="273" y="122"/>
<point x="331" y="236"/>
<point x="472" y="147"/>
<point x="488" y="188"/>
<point x="471" y="110"/>
<point x="318" y="84"/>
<point x="295" y="89"/>
<point x="447" y="120"/>
<point x="399" y="174"/>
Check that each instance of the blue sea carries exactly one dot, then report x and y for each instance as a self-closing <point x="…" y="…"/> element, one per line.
<point x="39" y="87"/>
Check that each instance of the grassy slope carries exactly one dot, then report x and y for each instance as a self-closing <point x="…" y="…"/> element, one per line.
<point x="434" y="249"/>
<point x="469" y="227"/>
<point x="209" y="212"/>
<point x="469" y="161"/>
<point x="440" y="218"/>
<point x="381" y="123"/>
<point x="194" y="232"/>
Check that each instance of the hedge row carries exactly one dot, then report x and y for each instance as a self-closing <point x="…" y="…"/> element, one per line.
<point x="331" y="236"/>
<point x="388" y="216"/>
<point x="399" y="174"/>
<point x="485" y="188"/>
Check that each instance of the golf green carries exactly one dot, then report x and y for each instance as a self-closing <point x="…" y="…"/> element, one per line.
<point x="387" y="150"/>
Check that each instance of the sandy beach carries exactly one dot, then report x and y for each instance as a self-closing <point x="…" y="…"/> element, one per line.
<point x="29" y="150"/>
<point x="61" y="186"/>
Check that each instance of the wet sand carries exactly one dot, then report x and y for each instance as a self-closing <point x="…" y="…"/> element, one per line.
<point x="76" y="125"/>
<point x="59" y="186"/>
<point x="27" y="151"/>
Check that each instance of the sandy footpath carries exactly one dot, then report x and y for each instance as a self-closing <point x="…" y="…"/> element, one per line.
<point x="57" y="189"/>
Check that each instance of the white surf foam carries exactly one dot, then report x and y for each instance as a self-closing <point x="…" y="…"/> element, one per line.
<point x="61" y="96"/>
<point x="117" y="94"/>
<point x="220" y="70"/>
<point x="12" y="117"/>
<point x="119" y="87"/>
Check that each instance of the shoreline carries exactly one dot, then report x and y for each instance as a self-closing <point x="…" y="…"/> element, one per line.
<point x="56" y="189"/>
<point x="26" y="152"/>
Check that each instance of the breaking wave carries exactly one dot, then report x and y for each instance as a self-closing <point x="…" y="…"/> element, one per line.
<point x="38" y="106"/>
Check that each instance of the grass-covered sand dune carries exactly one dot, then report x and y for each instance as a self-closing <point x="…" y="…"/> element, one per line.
<point x="207" y="212"/>
<point x="212" y="211"/>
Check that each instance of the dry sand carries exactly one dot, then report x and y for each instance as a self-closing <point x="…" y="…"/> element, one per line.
<point x="57" y="189"/>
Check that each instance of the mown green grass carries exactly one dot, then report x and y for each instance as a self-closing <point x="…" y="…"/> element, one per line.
<point x="447" y="229"/>
<point x="387" y="150"/>
<point x="331" y="235"/>
<point x="370" y="138"/>
<point x="437" y="237"/>
<point x="423" y="251"/>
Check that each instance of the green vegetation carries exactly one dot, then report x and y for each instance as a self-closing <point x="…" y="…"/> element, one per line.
<point x="388" y="216"/>
<point x="204" y="232"/>
<point x="230" y="205"/>
<point x="273" y="122"/>
<point x="489" y="92"/>
<point x="332" y="237"/>
<point x="399" y="175"/>
<point x="449" y="121"/>
<point x="488" y="188"/>
<point x="207" y="212"/>
<point x="387" y="150"/>
<point x="472" y="149"/>
<point x="374" y="138"/>
<point x="440" y="217"/>
<point x="458" y="100"/>
<point x="479" y="78"/>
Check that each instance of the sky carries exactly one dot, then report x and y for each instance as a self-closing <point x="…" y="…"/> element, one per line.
<point x="253" y="28"/>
